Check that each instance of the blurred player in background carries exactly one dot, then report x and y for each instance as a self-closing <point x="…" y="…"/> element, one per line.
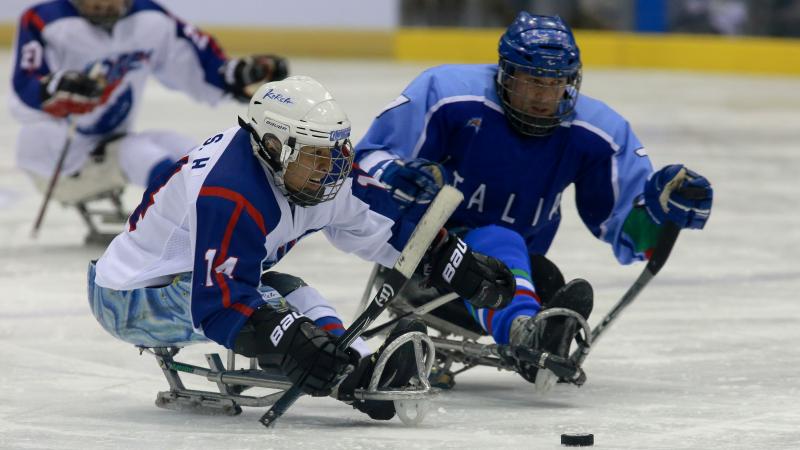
<point x="85" y="63"/>
<point x="512" y="137"/>
<point x="197" y="251"/>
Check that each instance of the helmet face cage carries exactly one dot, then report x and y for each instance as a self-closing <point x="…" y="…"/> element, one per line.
<point x="104" y="17"/>
<point x="536" y="99"/>
<point x="301" y="135"/>
<point x="312" y="174"/>
<point x="539" y="73"/>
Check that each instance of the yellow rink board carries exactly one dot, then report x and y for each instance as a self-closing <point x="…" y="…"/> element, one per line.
<point x="458" y="45"/>
<point x="619" y="50"/>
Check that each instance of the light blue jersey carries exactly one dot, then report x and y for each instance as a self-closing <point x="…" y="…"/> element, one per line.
<point x="512" y="183"/>
<point x="452" y="115"/>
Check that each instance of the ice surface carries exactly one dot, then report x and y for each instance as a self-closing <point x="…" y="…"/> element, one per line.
<point x="705" y="358"/>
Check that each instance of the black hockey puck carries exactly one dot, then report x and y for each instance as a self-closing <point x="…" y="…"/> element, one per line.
<point x="577" y="439"/>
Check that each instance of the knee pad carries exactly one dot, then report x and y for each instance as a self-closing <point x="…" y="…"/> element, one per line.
<point x="252" y="339"/>
<point x="284" y="283"/>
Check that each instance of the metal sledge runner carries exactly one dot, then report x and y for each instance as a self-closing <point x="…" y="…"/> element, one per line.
<point x="232" y="383"/>
<point x="235" y="387"/>
<point x="458" y="349"/>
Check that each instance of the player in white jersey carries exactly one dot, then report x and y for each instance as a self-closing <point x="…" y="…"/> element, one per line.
<point x="193" y="263"/>
<point x="86" y="62"/>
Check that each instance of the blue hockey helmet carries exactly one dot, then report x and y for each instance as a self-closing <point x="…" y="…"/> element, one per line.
<point x="539" y="73"/>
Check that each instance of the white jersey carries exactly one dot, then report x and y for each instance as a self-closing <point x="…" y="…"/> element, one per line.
<point x="219" y="215"/>
<point x="52" y="37"/>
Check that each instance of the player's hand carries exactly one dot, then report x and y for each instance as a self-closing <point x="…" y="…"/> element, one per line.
<point x="71" y="92"/>
<point x="245" y="75"/>
<point x="416" y="181"/>
<point x="309" y="356"/>
<point x="483" y="280"/>
<point x="680" y="195"/>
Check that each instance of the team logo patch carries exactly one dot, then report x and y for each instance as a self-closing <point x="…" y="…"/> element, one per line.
<point x="338" y="135"/>
<point x="272" y="95"/>
<point x="475" y="122"/>
<point x="277" y="125"/>
<point x="386" y="293"/>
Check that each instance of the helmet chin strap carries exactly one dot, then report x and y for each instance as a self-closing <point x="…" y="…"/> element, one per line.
<point x="262" y="154"/>
<point x="289" y="152"/>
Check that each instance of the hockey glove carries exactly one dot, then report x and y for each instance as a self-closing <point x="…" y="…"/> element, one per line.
<point x="243" y="76"/>
<point x="416" y="181"/>
<point x="71" y="92"/>
<point x="306" y="354"/>
<point x="483" y="280"/>
<point x="680" y="195"/>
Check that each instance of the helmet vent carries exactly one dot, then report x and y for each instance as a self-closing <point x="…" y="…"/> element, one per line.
<point x="551" y="47"/>
<point x="312" y="133"/>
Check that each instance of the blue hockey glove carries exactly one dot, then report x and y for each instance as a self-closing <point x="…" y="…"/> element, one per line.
<point x="680" y="195"/>
<point x="415" y="181"/>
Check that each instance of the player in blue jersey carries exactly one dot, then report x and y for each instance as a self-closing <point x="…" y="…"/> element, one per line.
<point x="86" y="63"/>
<point x="512" y="137"/>
<point x="195" y="260"/>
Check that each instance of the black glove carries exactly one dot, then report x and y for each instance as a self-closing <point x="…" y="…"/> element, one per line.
<point x="483" y="280"/>
<point x="243" y="76"/>
<point x="71" y="92"/>
<point x="306" y="354"/>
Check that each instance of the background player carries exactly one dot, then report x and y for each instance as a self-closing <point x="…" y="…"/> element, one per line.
<point x="87" y="62"/>
<point x="512" y="137"/>
<point x="196" y="249"/>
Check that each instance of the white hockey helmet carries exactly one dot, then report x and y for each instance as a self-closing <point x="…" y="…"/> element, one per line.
<point x="301" y="135"/>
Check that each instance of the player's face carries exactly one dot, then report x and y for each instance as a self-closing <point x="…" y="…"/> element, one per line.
<point x="536" y="96"/>
<point x="102" y="9"/>
<point x="307" y="173"/>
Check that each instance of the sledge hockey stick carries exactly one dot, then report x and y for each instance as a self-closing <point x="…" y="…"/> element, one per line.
<point x="669" y="234"/>
<point x="419" y="311"/>
<point x="96" y="73"/>
<point x="53" y="180"/>
<point x="425" y="232"/>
